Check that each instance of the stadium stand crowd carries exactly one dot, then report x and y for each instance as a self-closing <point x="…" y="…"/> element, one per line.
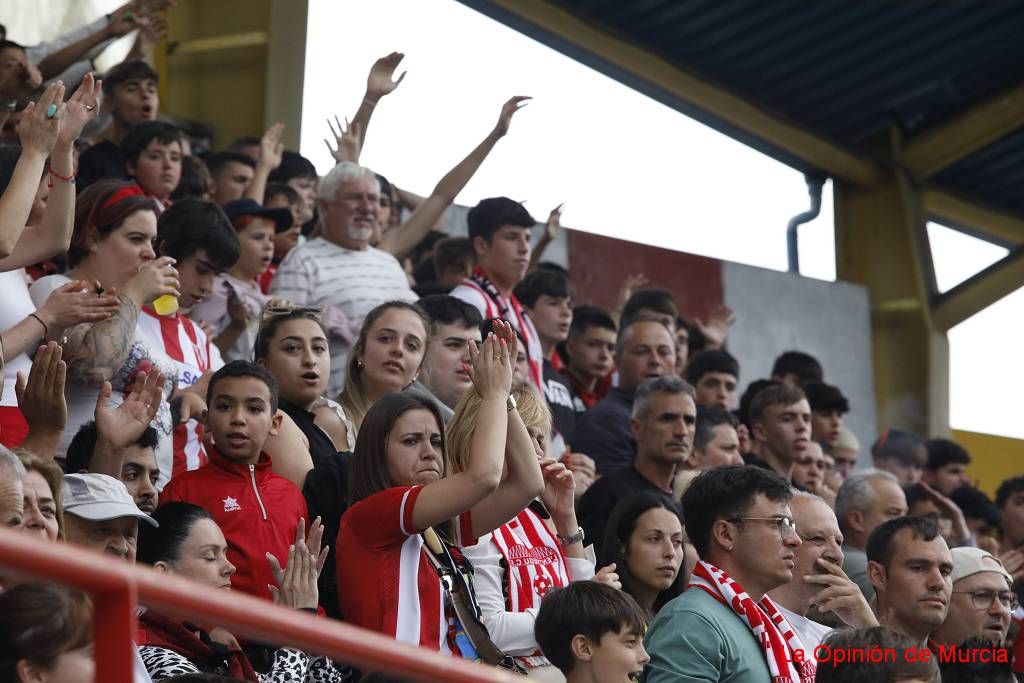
<point x="297" y="387"/>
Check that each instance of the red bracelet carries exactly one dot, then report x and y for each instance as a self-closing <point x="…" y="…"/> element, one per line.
<point x="69" y="178"/>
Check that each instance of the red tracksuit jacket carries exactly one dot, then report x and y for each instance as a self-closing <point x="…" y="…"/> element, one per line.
<point x="256" y="509"/>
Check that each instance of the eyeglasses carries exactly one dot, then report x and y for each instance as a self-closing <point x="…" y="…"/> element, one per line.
<point x="985" y="599"/>
<point x="785" y="525"/>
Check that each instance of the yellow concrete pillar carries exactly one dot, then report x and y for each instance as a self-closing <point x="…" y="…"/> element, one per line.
<point x="881" y="242"/>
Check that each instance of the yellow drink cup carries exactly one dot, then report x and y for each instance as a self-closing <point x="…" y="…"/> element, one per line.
<point x="166" y="304"/>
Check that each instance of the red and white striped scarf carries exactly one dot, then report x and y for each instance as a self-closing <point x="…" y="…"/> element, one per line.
<point x="788" y="661"/>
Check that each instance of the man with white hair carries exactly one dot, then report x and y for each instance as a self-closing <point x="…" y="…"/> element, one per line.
<point x="339" y="271"/>
<point x="865" y="500"/>
<point x="12" y="496"/>
<point x="818" y="577"/>
<point x="982" y="599"/>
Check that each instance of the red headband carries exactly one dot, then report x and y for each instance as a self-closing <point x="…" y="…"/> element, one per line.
<point x="132" y="190"/>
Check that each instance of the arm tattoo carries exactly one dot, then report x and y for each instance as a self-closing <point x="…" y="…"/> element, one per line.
<point x="95" y="351"/>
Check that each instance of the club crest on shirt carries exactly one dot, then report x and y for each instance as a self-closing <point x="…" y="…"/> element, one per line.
<point x="521" y="555"/>
<point x="231" y="505"/>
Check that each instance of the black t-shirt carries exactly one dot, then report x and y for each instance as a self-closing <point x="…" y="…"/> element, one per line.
<point x="102" y="160"/>
<point x="326" y="494"/>
<point x="561" y="401"/>
<point x="595" y="508"/>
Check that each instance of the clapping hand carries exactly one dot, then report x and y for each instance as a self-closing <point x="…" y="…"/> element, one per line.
<point x="122" y="425"/>
<point x="41" y="395"/>
<point x="82" y="107"/>
<point x="296" y="582"/>
<point x="36" y="131"/>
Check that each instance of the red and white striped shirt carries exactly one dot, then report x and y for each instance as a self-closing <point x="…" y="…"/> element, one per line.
<point x="385" y="581"/>
<point x="188" y="347"/>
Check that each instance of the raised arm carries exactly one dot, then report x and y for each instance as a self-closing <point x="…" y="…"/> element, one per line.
<point x="458" y="492"/>
<point x="379" y="83"/>
<point x="121" y="22"/>
<point x="95" y="351"/>
<point x="53" y="235"/>
<point x="38" y="134"/>
<point x="551" y="230"/>
<point x="41" y="401"/>
<point x="401" y="241"/>
<point x="119" y="427"/>
<point x="271" y="150"/>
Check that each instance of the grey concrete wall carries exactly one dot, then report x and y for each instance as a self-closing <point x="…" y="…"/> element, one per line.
<point x="777" y="312"/>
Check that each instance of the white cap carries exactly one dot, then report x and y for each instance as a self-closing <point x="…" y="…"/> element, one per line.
<point x="99" y="497"/>
<point x="971" y="561"/>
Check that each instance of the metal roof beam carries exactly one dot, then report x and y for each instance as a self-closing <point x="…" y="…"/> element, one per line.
<point x="997" y="226"/>
<point x="670" y="84"/>
<point x="980" y="291"/>
<point x="944" y="144"/>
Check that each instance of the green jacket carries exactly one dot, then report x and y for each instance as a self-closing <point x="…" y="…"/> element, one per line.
<point x="697" y="638"/>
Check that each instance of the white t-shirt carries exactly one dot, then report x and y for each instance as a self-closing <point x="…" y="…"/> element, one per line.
<point x="811" y="632"/>
<point x="17" y="305"/>
<point x="322" y="273"/>
<point x="81" y="398"/>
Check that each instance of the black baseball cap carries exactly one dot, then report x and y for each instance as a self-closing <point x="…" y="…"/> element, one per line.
<point x="282" y="217"/>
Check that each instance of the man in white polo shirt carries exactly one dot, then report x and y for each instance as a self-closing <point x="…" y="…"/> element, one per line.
<point x="339" y="271"/>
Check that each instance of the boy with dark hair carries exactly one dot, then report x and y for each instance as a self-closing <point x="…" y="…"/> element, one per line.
<point x="198" y="236"/>
<point x="298" y="173"/>
<point x="453" y="261"/>
<point x="828" y="405"/>
<point x="715" y="442"/>
<point x="453" y="324"/>
<point x="547" y="296"/>
<point x="139" y="471"/>
<point x="257" y="510"/>
<point x="152" y="157"/>
<point x="780" y="424"/>
<point x="724" y="627"/>
<point x="981" y="515"/>
<point x="714" y="373"/>
<point x="901" y="453"/>
<point x="231" y="174"/>
<point x="1010" y="501"/>
<point x="131" y="97"/>
<point x="281" y="196"/>
<point x="499" y="229"/>
<point x="591" y="351"/>
<point x="657" y="303"/>
<point x="946" y="469"/>
<point x="797" y="367"/>
<point x="592" y="633"/>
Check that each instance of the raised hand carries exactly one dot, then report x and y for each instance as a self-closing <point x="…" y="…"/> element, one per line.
<point x="504" y="332"/>
<point x="559" y="486"/>
<point x="347" y="141"/>
<point x="82" y="107"/>
<point x="630" y="285"/>
<point x="122" y="425"/>
<point x="41" y="395"/>
<point x="123" y="21"/>
<point x="716" y="329"/>
<point x="74" y="303"/>
<point x="271" y="147"/>
<point x="554" y="224"/>
<point x="607" y="576"/>
<point x="380" y="82"/>
<point x="507" y="111"/>
<point x="37" y="132"/>
<point x="491" y="369"/>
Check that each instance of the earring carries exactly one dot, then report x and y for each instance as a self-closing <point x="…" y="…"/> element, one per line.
<point x="359" y="363"/>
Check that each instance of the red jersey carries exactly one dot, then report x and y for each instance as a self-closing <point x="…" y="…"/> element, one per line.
<point x="385" y="581"/>
<point x="256" y="509"/>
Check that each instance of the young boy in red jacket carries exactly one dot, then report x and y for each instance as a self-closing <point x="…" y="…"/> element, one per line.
<point x="256" y="509"/>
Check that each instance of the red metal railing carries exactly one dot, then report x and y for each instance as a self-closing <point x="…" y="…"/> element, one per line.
<point x="118" y="587"/>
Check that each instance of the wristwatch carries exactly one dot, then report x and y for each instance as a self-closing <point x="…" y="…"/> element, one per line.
<point x="511" y="403"/>
<point x="569" y="540"/>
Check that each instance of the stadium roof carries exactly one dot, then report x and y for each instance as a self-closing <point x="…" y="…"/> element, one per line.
<point x="826" y="85"/>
